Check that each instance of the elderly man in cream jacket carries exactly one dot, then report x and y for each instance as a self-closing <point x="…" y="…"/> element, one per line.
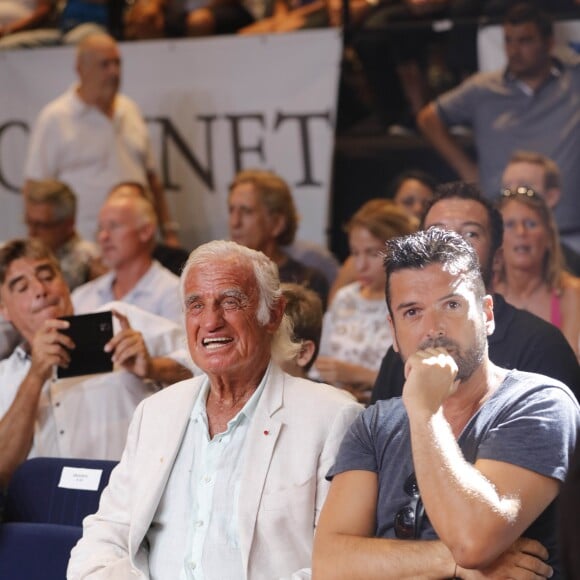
<point x="223" y="476"/>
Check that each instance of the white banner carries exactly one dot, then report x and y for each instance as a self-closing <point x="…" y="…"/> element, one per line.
<point x="213" y="106"/>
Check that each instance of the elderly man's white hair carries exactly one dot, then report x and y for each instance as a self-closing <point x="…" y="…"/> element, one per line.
<point x="267" y="280"/>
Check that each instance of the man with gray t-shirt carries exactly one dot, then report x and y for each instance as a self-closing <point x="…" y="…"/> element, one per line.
<point x="532" y="105"/>
<point x="471" y="457"/>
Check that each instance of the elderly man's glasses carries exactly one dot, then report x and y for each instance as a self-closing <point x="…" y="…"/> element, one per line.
<point x="520" y="190"/>
<point x="408" y="519"/>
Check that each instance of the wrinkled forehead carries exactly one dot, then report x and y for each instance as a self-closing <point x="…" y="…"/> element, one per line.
<point x="26" y="267"/>
<point x="119" y="208"/>
<point x="245" y="193"/>
<point x="455" y="212"/>
<point x="431" y="283"/>
<point x="230" y="272"/>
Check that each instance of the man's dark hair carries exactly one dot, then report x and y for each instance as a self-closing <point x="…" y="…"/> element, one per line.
<point x="417" y="174"/>
<point x="524" y="12"/>
<point x="462" y="190"/>
<point x="434" y="246"/>
<point x="24" y="248"/>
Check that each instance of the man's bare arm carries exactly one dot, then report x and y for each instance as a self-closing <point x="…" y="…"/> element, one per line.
<point x="166" y="371"/>
<point x="524" y="560"/>
<point x="167" y="226"/>
<point x="38" y="16"/>
<point x="17" y="424"/>
<point x="493" y="501"/>
<point x="435" y="130"/>
<point x="17" y="427"/>
<point x="130" y="351"/>
<point x="344" y="546"/>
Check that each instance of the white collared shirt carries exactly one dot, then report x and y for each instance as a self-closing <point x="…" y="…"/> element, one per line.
<point x="88" y="416"/>
<point x="76" y="143"/>
<point x="157" y="291"/>
<point x="195" y="533"/>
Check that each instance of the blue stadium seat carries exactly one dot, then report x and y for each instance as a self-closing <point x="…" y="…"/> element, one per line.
<point x="34" y="494"/>
<point x="36" y="551"/>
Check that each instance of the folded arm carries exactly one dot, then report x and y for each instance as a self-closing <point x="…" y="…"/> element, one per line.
<point x="494" y="501"/>
<point x="344" y="546"/>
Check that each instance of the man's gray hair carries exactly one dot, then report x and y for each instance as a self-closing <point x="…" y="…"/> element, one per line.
<point x="55" y="193"/>
<point x="267" y="281"/>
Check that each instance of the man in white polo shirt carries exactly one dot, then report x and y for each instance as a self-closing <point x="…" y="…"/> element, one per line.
<point x="92" y="137"/>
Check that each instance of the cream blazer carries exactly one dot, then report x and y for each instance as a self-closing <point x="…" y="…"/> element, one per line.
<point x="291" y="443"/>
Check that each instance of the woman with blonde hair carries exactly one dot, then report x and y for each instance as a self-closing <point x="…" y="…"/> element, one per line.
<point x="531" y="274"/>
<point x="355" y="332"/>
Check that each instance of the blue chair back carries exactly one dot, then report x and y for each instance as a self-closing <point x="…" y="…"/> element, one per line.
<point x="36" y="551"/>
<point x="34" y="495"/>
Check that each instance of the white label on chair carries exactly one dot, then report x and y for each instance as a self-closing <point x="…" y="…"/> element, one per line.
<point x="80" y="478"/>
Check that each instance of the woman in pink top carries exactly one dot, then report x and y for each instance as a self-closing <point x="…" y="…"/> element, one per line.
<point x="531" y="274"/>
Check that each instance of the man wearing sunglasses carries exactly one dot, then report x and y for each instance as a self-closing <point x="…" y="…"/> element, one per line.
<point x="472" y="455"/>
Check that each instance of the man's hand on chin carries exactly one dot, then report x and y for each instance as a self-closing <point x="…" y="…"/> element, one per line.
<point x="430" y="379"/>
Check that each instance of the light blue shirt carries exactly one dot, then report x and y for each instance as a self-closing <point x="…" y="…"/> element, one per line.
<point x="195" y="534"/>
<point x="157" y="291"/>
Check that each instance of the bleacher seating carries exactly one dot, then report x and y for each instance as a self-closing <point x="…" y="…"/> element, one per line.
<point x="38" y="494"/>
<point x="34" y="551"/>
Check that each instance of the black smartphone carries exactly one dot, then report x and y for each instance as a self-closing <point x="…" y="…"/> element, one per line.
<point x="90" y="333"/>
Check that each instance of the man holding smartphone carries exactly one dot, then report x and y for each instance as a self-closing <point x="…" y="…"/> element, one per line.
<point x="85" y="416"/>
